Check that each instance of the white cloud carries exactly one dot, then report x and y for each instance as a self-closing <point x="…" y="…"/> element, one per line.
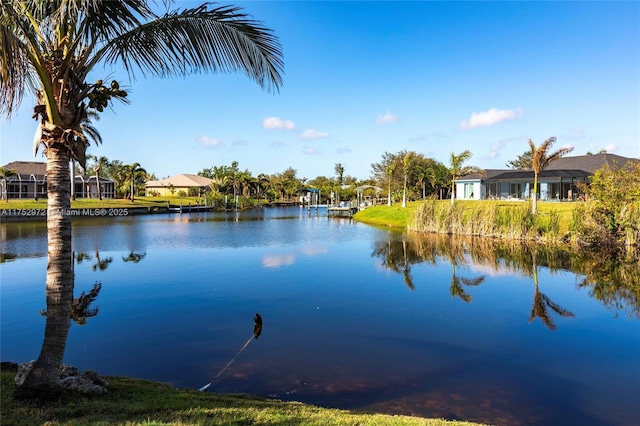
<point x="205" y="140"/>
<point x="240" y="142"/>
<point x="490" y="117"/>
<point x="386" y="118"/>
<point x="313" y="134"/>
<point x="277" y="123"/>
<point x="568" y="145"/>
<point x="611" y="147"/>
<point x="309" y="150"/>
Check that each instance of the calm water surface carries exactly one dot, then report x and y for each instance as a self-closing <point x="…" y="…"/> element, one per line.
<point x="354" y="317"/>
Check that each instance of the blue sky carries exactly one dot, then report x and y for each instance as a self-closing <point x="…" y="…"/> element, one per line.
<point x="362" y="78"/>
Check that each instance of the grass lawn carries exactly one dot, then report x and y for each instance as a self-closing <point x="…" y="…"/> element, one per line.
<point x="140" y="402"/>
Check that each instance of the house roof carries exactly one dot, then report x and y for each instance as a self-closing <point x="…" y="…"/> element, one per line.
<point x="180" y="181"/>
<point x="528" y="174"/>
<point x="27" y="167"/>
<point x="578" y="166"/>
<point x="589" y="163"/>
<point x="488" y="174"/>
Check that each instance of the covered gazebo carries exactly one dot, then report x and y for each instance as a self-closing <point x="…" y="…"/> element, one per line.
<point x="366" y="200"/>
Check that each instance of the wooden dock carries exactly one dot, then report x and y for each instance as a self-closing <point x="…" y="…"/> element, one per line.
<point x="342" y="210"/>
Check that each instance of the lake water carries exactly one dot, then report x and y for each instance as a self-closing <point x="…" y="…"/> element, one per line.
<point x="354" y="316"/>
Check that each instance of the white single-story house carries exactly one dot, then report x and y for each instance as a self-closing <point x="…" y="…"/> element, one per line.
<point x="559" y="181"/>
<point x="172" y="185"/>
<point x="29" y="180"/>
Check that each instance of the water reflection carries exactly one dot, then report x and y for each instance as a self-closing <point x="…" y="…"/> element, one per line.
<point x="474" y="356"/>
<point x="541" y="302"/>
<point x="613" y="282"/>
<point x="397" y="257"/>
<point x="102" y="263"/>
<point x="80" y="307"/>
<point x="257" y="325"/>
<point x="456" y="288"/>
<point x="134" y="257"/>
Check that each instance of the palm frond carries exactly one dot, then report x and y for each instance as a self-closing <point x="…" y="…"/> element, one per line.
<point x="16" y="72"/>
<point x="556" y="308"/>
<point x="472" y="281"/>
<point x="539" y="310"/>
<point x="182" y="42"/>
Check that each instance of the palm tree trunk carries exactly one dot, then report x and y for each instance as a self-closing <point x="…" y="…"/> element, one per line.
<point x="98" y="183"/>
<point x="404" y="193"/>
<point x="43" y="379"/>
<point x="534" y="206"/>
<point x="453" y="191"/>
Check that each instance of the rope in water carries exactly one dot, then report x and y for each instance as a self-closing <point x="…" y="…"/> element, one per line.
<point x="256" y="332"/>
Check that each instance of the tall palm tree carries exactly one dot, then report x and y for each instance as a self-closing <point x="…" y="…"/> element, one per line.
<point x="339" y="169"/>
<point x="425" y="175"/>
<point x="406" y="165"/>
<point x="134" y="171"/>
<point x="389" y="171"/>
<point x="101" y="163"/>
<point x="458" y="170"/>
<point x="540" y="160"/>
<point x="50" y="47"/>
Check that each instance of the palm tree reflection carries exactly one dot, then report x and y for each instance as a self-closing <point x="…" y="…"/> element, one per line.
<point x="541" y="302"/>
<point x="397" y="256"/>
<point x="613" y="281"/>
<point x="80" y="307"/>
<point x="456" y="288"/>
<point x="102" y="263"/>
<point x="134" y="257"/>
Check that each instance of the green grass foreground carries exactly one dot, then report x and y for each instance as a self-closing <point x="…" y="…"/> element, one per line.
<point x="142" y="402"/>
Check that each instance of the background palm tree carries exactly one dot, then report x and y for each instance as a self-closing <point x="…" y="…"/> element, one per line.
<point x="389" y="170"/>
<point x="101" y="163"/>
<point x="458" y="170"/>
<point x="4" y="174"/>
<point x="425" y="174"/>
<point x="134" y="172"/>
<point x="540" y="160"/>
<point x="49" y="48"/>
<point x="406" y="167"/>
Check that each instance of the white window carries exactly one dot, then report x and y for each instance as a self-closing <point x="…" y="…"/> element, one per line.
<point x="468" y="190"/>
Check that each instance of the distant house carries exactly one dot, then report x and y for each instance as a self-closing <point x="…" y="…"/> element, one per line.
<point x="30" y="181"/>
<point x="172" y="185"/>
<point x="558" y="182"/>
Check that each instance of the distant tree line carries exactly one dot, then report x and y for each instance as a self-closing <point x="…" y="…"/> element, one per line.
<point x="129" y="179"/>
